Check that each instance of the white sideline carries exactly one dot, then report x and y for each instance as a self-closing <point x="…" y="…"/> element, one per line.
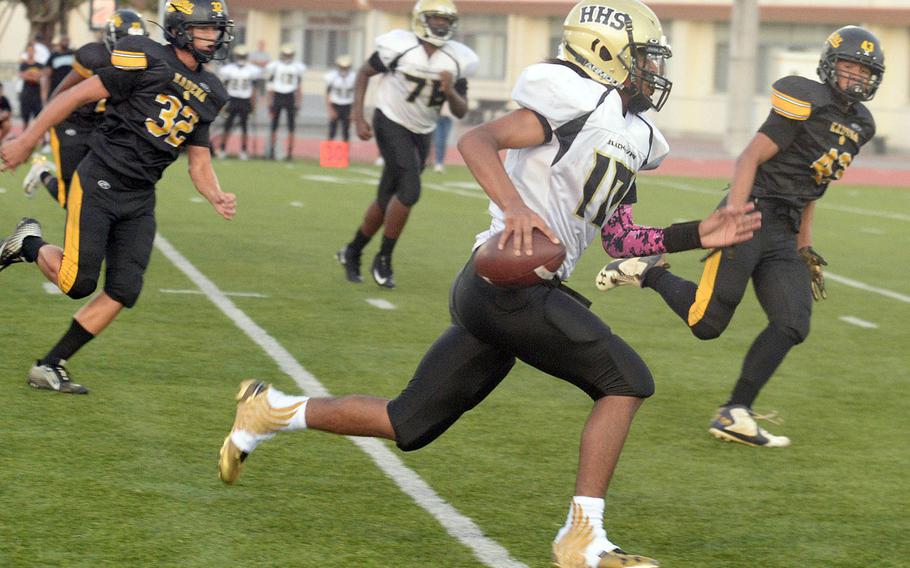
<point x="459" y="526"/>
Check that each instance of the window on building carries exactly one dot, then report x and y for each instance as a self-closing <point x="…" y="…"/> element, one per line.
<point x="322" y="37"/>
<point x="555" y="25"/>
<point x="774" y="42"/>
<point x="486" y="35"/>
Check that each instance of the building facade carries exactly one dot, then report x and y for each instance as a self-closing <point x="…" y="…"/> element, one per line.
<point x="508" y="35"/>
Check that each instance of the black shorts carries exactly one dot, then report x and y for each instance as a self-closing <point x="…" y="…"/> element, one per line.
<point x="69" y="144"/>
<point x="405" y="155"/>
<point x="546" y="326"/>
<point x="107" y="220"/>
<point x="239" y="106"/>
<point x="29" y="107"/>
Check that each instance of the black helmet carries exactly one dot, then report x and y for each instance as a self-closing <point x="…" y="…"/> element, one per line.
<point x="122" y="23"/>
<point x="853" y="43"/>
<point x="181" y="15"/>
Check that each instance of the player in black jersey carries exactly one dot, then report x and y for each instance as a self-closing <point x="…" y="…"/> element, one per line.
<point x="70" y="138"/>
<point x="812" y="134"/>
<point x="160" y="98"/>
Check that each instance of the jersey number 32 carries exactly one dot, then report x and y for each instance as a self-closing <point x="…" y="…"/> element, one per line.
<point x="176" y="120"/>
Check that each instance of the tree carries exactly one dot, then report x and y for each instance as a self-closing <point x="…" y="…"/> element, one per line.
<point x="45" y="15"/>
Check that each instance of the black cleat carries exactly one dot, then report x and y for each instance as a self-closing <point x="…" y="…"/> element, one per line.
<point x="382" y="270"/>
<point x="350" y="260"/>
<point x="11" y="246"/>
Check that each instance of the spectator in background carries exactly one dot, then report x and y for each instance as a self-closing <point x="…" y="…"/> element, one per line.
<point x="441" y="139"/>
<point x="34" y="87"/>
<point x="60" y="63"/>
<point x="285" y="77"/>
<point x="238" y="78"/>
<point x="339" y="97"/>
<point x="6" y="115"/>
<point x="42" y="53"/>
<point x="261" y="59"/>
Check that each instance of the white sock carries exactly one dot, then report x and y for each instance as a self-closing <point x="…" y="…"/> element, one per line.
<point x="593" y="509"/>
<point x="278" y="399"/>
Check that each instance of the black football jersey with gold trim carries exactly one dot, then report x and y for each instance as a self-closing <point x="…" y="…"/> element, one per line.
<point x="156" y="105"/>
<point x="87" y="60"/>
<point x="818" y="139"/>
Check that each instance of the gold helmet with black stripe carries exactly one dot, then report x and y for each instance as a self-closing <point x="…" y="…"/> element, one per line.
<point x="619" y="43"/>
<point x="859" y="45"/>
<point x="123" y="22"/>
<point x="434" y="21"/>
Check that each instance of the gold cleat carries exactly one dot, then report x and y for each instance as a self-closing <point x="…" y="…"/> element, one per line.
<point x="569" y="551"/>
<point x="256" y="419"/>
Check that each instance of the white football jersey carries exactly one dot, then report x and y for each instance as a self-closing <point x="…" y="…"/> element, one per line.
<point x="409" y="91"/>
<point x="579" y="176"/>
<point x="285" y="77"/>
<point x="238" y="79"/>
<point x="341" y="87"/>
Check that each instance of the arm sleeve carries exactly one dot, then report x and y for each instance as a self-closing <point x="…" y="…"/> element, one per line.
<point x="782" y="131"/>
<point x="622" y="238"/>
<point x="200" y="136"/>
<point x="377" y="64"/>
<point x="461" y="87"/>
<point x="791" y="104"/>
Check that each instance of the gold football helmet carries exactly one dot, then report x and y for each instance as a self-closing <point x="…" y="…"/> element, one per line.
<point x="435" y="33"/>
<point x="619" y="43"/>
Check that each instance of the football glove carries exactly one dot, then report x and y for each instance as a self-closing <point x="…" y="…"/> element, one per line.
<point x="814" y="263"/>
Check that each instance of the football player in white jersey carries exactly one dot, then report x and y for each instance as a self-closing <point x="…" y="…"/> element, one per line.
<point x="285" y="79"/>
<point x="575" y="146"/>
<point x="421" y="70"/>
<point x="339" y="97"/>
<point x="238" y="78"/>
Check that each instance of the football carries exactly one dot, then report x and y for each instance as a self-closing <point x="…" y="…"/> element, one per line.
<point x="504" y="269"/>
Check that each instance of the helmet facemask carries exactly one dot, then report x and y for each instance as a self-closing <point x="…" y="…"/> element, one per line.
<point x="438" y="27"/>
<point x="861" y="88"/>
<point x="647" y="76"/>
<point x="219" y="48"/>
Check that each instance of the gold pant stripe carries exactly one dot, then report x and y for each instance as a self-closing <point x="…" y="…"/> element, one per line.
<point x="84" y="72"/>
<point x="705" y="288"/>
<point x="55" y="149"/>
<point x="69" y="267"/>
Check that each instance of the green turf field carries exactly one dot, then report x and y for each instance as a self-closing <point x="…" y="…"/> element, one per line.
<point x="127" y="475"/>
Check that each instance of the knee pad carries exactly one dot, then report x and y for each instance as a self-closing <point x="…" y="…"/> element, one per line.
<point x="705" y="332"/>
<point x="128" y="296"/>
<point x="82" y="289"/>
<point x="797" y="330"/>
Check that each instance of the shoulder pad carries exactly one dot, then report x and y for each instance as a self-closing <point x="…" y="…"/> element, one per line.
<point x="132" y="53"/>
<point x="464" y="55"/>
<point x="794" y="97"/>
<point x="90" y="57"/>
<point x="392" y="44"/>
<point x="556" y="92"/>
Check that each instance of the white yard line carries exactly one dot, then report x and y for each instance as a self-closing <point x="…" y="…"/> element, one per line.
<point x="381" y="304"/>
<point x="682" y="186"/>
<point x="858" y="322"/>
<point x="867" y="288"/>
<point x="238" y="294"/>
<point x="459" y="526"/>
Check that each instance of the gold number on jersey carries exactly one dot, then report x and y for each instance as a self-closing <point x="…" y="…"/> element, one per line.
<point x="830" y="166"/>
<point x="174" y="130"/>
<point x="620" y="180"/>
